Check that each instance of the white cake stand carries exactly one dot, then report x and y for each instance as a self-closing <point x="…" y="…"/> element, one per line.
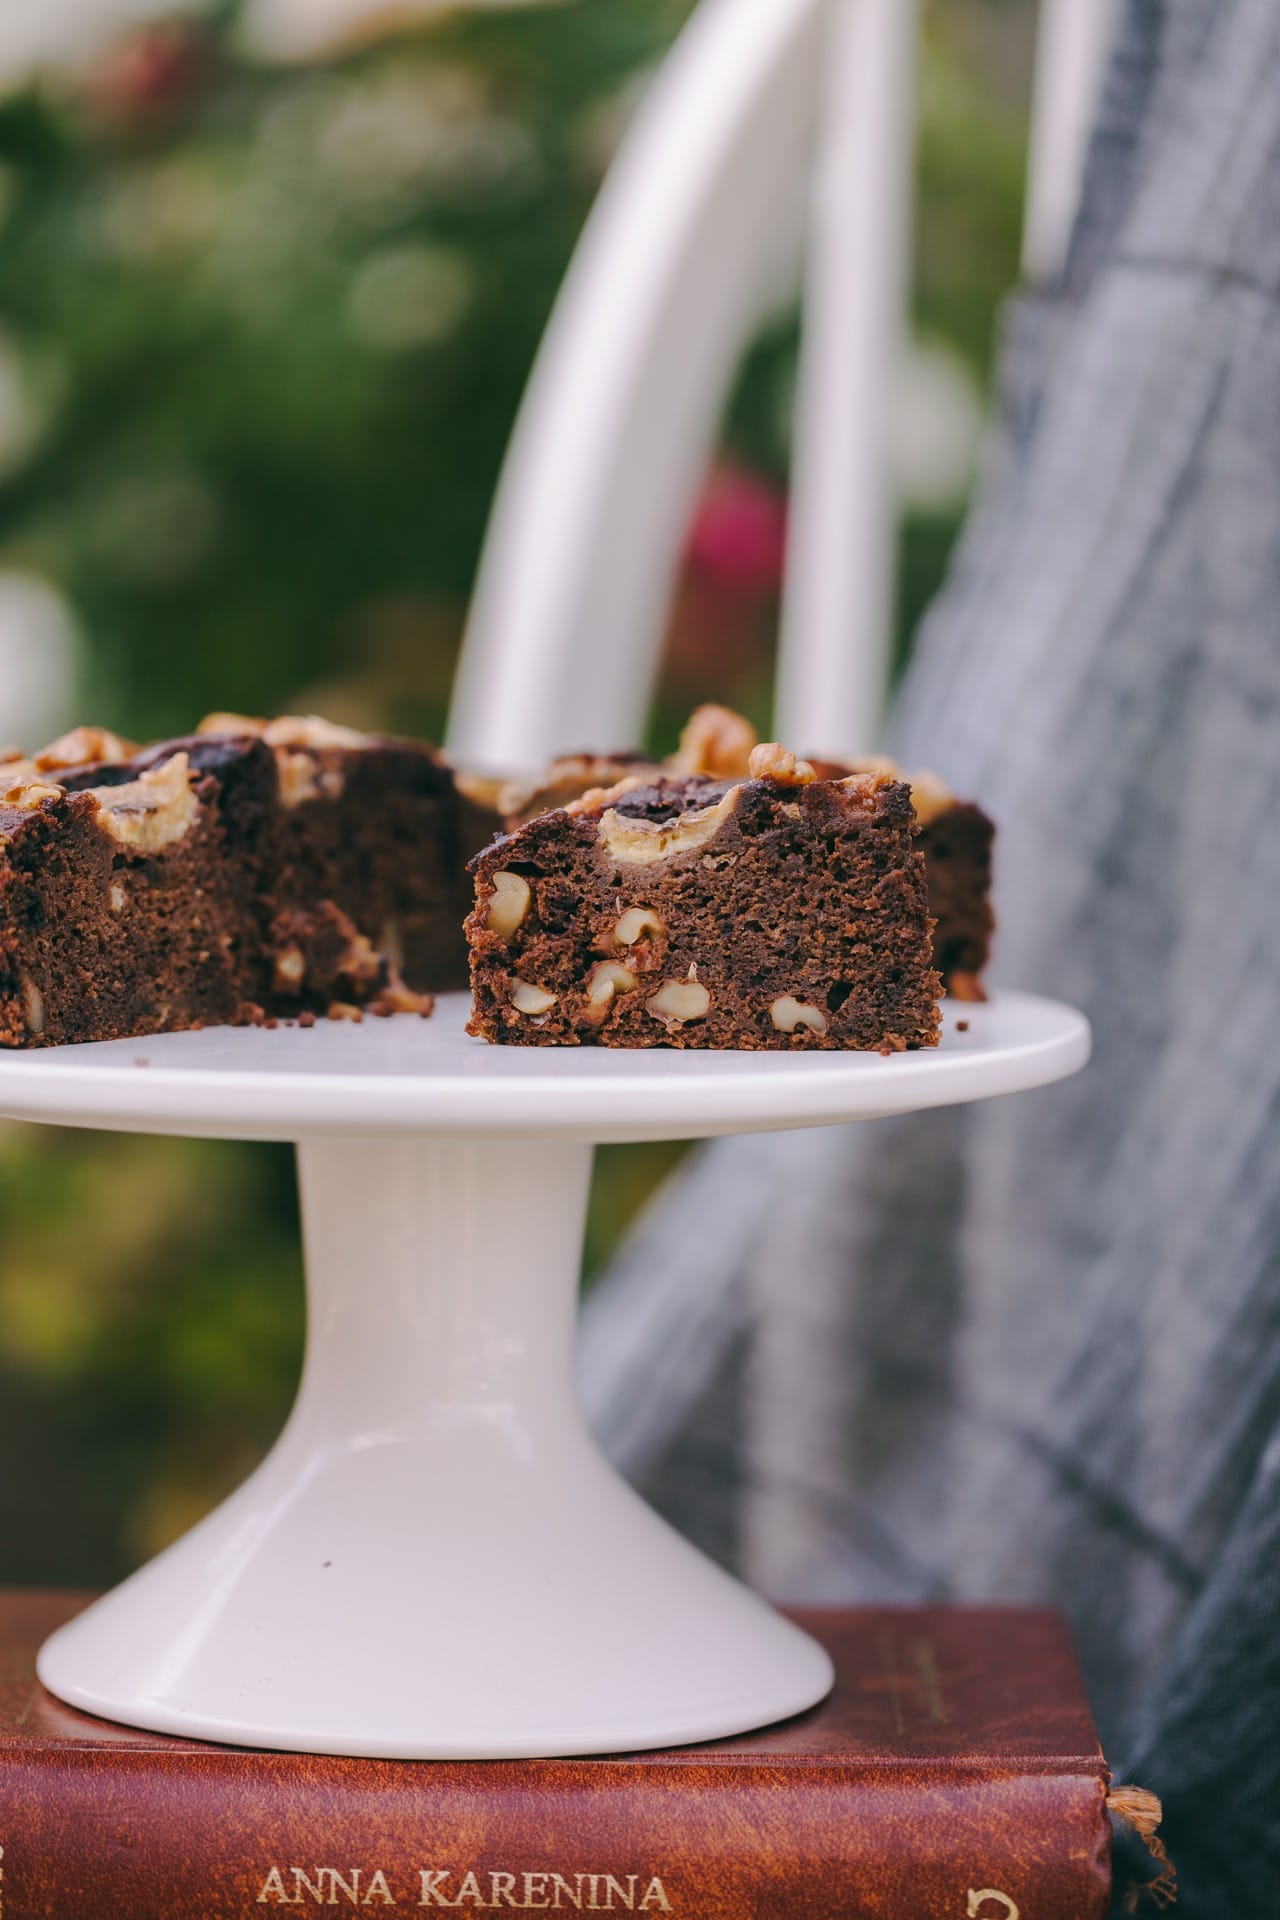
<point x="435" y="1561"/>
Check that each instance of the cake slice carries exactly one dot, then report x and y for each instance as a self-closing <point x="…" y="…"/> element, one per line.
<point x="368" y="839"/>
<point x="956" y="836"/>
<point x="956" y="839"/>
<point x="778" y="911"/>
<point x="253" y="870"/>
<point x="119" y="913"/>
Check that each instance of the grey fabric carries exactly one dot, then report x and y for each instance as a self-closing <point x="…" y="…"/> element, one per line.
<point x="1030" y="1350"/>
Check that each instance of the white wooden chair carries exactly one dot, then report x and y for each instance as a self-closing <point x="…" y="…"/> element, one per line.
<point x="762" y="106"/>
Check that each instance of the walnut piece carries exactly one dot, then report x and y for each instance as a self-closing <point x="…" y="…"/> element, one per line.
<point x="361" y="963"/>
<point x="678" y="1001"/>
<point x="863" y="790"/>
<point x="787" y="1013"/>
<point x="607" y="980"/>
<point x="930" y="796"/>
<point x="290" y="969"/>
<point x="715" y="740"/>
<point x="395" y="997"/>
<point x="526" y="998"/>
<point x="595" y="797"/>
<point x="116" y="895"/>
<point x="509" y="905"/>
<point x="483" y="790"/>
<point x="566" y="782"/>
<point x="231" y="723"/>
<point x="634" y="924"/>
<point x="769" y="761"/>
<point x="83" y="747"/>
<point x="22" y="788"/>
<point x="391" y="943"/>
<point x="639" y="843"/>
<point x="303" y="778"/>
<point x="309" y="730"/>
<point x="33" y="999"/>
<point x="967" y="986"/>
<point x="296" y="738"/>
<point x="152" y="811"/>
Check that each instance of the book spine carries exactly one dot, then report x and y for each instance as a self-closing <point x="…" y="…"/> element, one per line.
<point x="133" y="1837"/>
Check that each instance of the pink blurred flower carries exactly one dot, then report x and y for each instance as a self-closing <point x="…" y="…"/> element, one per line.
<point x="738" y="534"/>
<point x="151" y="74"/>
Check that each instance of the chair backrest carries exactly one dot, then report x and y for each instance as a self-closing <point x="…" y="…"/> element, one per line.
<point x="770" y="119"/>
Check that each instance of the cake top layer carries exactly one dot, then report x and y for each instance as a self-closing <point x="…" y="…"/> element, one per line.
<point x="667" y="794"/>
<point x="312" y="756"/>
<point x="146" y="812"/>
<point x="717" y="740"/>
<point x="657" y="814"/>
<point x="564" y="780"/>
<point x="716" y="744"/>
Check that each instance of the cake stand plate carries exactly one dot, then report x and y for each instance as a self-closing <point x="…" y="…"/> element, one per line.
<point x="435" y="1561"/>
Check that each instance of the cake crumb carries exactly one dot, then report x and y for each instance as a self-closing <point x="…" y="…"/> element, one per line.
<point x="962" y="1026"/>
<point x="306" y="1019"/>
<point x="395" y="997"/>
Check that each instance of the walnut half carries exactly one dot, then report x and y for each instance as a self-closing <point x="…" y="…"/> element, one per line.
<point x="531" y="999"/>
<point x="152" y="811"/>
<point x="639" y="842"/>
<point x="769" y="761"/>
<point x="787" y="1013"/>
<point x="608" y="979"/>
<point x="633" y="925"/>
<point x="83" y="747"/>
<point x="679" y="1001"/>
<point x="715" y="740"/>
<point x="508" y="904"/>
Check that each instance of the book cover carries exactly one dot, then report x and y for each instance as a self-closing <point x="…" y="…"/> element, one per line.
<point x="953" y="1774"/>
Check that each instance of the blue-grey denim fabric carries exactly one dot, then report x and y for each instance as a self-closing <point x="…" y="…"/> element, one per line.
<point x="1030" y="1350"/>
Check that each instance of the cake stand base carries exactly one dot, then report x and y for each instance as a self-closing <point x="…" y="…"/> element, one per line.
<point x="435" y="1561"/>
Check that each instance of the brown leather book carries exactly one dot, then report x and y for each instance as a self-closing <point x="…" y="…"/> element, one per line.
<point x="954" y="1774"/>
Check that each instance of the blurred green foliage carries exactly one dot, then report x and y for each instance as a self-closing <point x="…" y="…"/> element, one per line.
<point x="280" y="320"/>
<point x="264" y="331"/>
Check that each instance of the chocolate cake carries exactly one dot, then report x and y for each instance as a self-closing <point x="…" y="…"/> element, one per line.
<point x="956" y="838"/>
<point x="250" y="871"/>
<point x="777" y="911"/>
<point x="955" y="835"/>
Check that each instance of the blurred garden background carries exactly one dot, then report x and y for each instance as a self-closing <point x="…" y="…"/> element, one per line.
<point x="272" y="277"/>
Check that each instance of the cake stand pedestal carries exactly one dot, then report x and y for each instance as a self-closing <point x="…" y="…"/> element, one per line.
<point x="435" y="1561"/>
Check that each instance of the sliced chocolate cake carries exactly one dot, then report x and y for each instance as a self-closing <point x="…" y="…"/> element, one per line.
<point x="955" y="835"/>
<point x="368" y="843"/>
<point x="956" y="839"/>
<point x="252" y="870"/>
<point x="118" y="913"/>
<point x="778" y="911"/>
